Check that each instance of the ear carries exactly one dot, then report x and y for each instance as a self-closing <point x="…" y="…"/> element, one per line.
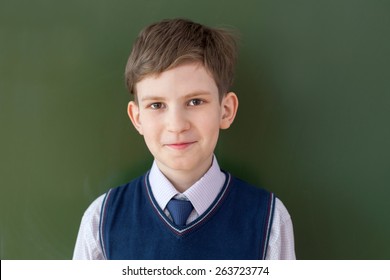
<point x="229" y="106"/>
<point x="134" y="115"/>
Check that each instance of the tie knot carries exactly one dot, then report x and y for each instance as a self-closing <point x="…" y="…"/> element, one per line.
<point x="179" y="210"/>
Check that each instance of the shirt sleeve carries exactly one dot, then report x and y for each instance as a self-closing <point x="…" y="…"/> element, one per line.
<point x="281" y="240"/>
<point x="88" y="243"/>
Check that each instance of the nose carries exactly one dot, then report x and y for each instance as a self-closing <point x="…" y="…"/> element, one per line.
<point x="177" y="120"/>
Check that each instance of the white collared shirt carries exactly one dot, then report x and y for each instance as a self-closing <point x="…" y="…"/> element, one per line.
<point x="201" y="194"/>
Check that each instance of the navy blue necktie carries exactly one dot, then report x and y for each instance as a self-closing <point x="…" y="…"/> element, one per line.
<point x="179" y="210"/>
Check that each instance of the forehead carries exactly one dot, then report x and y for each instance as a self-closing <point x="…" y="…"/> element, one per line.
<point x="181" y="80"/>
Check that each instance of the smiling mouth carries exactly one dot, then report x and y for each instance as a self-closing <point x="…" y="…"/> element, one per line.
<point x="180" y="146"/>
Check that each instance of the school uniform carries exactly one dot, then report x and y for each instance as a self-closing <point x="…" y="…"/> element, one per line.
<point x="230" y="220"/>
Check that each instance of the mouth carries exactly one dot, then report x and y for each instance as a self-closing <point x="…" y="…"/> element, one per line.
<point x="180" y="146"/>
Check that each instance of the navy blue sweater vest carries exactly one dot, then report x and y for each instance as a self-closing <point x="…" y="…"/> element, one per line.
<point x="236" y="225"/>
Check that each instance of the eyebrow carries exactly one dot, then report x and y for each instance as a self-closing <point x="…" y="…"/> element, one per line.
<point x="197" y="93"/>
<point x="151" y="97"/>
<point x="187" y="96"/>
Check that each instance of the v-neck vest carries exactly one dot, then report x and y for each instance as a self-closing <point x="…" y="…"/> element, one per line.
<point x="235" y="226"/>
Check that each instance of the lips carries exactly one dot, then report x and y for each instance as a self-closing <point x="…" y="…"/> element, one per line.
<point x="181" y="145"/>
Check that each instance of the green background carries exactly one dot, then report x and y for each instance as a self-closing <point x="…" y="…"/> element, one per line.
<point x="313" y="81"/>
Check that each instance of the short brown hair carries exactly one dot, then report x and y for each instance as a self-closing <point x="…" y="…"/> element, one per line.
<point x="169" y="43"/>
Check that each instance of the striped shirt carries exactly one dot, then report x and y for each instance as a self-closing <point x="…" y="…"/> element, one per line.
<point x="201" y="194"/>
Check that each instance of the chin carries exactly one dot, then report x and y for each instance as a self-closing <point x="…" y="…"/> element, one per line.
<point x="182" y="166"/>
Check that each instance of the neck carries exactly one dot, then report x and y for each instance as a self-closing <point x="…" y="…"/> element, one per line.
<point x="182" y="180"/>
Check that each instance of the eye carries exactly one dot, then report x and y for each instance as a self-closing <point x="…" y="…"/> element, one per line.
<point x="156" y="106"/>
<point x="195" y="102"/>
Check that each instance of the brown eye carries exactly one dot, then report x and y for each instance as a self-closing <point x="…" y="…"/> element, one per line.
<point x="195" y="102"/>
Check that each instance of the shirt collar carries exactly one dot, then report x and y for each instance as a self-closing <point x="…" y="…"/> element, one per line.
<point x="201" y="194"/>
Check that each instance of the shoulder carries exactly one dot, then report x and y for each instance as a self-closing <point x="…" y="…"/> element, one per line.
<point x="247" y="187"/>
<point x="93" y="211"/>
<point x="281" y="241"/>
<point x="126" y="193"/>
<point x="252" y="194"/>
<point x="129" y="186"/>
<point x="281" y="213"/>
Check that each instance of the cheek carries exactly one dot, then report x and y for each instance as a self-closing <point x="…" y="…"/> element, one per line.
<point x="210" y="126"/>
<point x="151" y="139"/>
<point x="150" y="131"/>
<point x="147" y="122"/>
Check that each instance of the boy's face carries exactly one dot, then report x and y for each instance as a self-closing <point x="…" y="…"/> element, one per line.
<point x="179" y="114"/>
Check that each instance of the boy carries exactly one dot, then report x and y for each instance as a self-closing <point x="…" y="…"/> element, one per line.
<point x="185" y="207"/>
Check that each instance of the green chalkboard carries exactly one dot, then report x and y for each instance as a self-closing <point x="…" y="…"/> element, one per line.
<point x="313" y="80"/>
